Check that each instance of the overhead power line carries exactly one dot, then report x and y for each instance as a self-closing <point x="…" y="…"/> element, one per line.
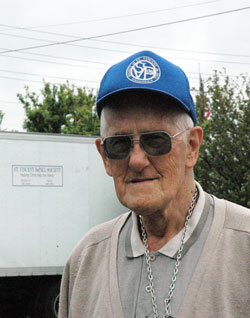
<point x="68" y="58"/>
<point x="20" y="79"/>
<point x="127" y="31"/>
<point x="121" y="51"/>
<point x="106" y="41"/>
<point x="27" y="37"/>
<point x="57" y="63"/>
<point x="172" y="49"/>
<point x="61" y="58"/>
<point x="49" y="76"/>
<point x="29" y="80"/>
<point x="91" y="87"/>
<point x="131" y="52"/>
<point x="52" y="42"/>
<point x="78" y="79"/>
<point x="112" y="42"/>
<point x="85" y="80"/>
<point x="106" y="19"/>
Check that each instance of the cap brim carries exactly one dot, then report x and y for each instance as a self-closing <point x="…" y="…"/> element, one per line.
<point x="100" y="102"/>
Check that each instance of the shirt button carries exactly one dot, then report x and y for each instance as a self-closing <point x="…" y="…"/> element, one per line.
<point x="148" y="288"/>
<point x="152" y="257"/>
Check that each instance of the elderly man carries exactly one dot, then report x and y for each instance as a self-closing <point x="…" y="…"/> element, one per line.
<point x="179" y="252"/>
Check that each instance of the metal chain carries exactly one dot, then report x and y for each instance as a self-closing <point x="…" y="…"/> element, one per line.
<point x="167" y="301"/>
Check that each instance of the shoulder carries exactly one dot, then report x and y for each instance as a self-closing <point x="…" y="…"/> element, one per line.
<point x="103" y="231"/>
<point x="98" y="236"/>
<point x="237" y="217"/>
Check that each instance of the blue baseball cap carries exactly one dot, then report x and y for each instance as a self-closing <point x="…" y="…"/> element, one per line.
<point x="146" y="70"/>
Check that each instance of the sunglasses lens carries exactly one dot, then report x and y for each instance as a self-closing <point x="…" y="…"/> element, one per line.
<point x="117" y="147"/>
<point x="156" y="144"/>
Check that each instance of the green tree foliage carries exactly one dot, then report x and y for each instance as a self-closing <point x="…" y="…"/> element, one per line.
<point x="223" y="168"/>
<point x="61" y="108"/>
<point x="1" y="118"/>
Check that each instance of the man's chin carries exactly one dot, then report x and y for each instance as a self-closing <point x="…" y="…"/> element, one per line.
<point x="141" y="208"/>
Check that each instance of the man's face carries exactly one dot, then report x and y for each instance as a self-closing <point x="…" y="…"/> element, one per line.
<point x="143" y="183"/>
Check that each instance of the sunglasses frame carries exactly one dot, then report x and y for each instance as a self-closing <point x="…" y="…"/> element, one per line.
<point x="140" y="134"/>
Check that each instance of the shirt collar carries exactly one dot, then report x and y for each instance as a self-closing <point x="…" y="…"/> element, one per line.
<point x="134" y="245"/>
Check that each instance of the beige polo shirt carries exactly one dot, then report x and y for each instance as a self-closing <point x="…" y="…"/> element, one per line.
<point x="131" y="264"/>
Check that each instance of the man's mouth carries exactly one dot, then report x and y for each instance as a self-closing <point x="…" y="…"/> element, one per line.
<point x="141" y="180"/>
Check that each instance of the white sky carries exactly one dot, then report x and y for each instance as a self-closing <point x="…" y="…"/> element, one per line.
<point x="223" y="41"/>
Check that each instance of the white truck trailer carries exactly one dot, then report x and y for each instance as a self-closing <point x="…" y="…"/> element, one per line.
<point x="53" y="190"/>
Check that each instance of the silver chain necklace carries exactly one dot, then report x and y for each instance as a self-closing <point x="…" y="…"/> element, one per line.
<point x="167" y="301"/>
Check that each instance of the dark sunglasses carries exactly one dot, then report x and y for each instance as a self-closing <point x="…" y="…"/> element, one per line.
<point x="155" y="143"/>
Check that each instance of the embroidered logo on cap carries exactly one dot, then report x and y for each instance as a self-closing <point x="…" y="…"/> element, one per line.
<point x="143" y="70"/>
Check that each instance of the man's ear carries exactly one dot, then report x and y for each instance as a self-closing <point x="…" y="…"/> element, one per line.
<point x="194" y="141"/>
<point x="104" y="157"/>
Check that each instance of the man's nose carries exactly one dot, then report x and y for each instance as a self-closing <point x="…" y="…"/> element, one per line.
<point x="138" y="159"/>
